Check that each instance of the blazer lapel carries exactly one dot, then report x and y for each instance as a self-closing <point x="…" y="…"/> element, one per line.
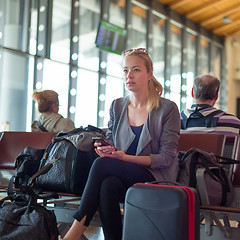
<point x="144" y="139"/>
<point x="125" y="135"/>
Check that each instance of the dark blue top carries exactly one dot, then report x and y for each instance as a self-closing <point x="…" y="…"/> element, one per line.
<point x="133" y="147"/>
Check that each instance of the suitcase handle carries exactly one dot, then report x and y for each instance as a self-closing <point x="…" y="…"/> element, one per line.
<point x="166" y="182"/>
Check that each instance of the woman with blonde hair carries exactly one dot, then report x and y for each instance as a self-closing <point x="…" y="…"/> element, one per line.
<point x="144" y="128"/>
<point x="50" y="120"/>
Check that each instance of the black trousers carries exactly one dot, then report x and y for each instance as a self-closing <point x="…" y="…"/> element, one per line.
<point x="106" y="187"/>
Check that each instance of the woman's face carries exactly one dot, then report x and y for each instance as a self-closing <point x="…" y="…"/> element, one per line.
<point x="135" y="73"/>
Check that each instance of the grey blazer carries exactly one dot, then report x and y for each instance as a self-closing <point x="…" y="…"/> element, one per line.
<point x="158" y="139"/>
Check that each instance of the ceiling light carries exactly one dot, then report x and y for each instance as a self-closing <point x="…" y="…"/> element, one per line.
<point x="227" y="20"/>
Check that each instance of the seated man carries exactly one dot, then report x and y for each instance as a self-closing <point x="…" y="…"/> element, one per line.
<point x="203" y="116"/>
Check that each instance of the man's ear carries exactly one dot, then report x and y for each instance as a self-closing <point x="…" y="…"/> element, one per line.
<point x="216" y="98"/>
<point x="54" y="108"/>
<point x="192" y="93"/>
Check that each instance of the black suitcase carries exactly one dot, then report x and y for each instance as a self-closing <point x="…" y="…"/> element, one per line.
<point x="161" y="212"/>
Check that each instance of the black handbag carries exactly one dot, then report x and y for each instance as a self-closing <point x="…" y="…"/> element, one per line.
<point x="70" y="165"/>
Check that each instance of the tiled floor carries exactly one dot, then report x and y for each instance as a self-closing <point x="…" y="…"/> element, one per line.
<point x="92" y="232"/>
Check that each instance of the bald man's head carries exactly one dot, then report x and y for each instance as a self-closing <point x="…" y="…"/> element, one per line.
<point x="206" y="87"/>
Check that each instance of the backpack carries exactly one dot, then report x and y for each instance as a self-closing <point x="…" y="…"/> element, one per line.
<point x="26" y="164"/>
<point x="208" y="121"/>
<point x="219" y="188"/>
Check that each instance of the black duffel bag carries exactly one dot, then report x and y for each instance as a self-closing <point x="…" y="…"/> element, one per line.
<point x="22" y="218"/>
<point x="71" y="156"/>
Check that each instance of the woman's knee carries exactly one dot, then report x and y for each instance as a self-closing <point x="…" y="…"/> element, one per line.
<point x="104" y="164"/>
<point x="111" y="183"/>
<point x="113" y="186"/>
<point x="99" y="162"/>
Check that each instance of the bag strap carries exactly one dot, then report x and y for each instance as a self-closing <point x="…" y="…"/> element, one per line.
<point x="94" y="129"/>
<point x="211" y="120"/>
<point x="227" y="160"/>
<point x="165" y="183"/>
<point x="221" y="178"/>
<point x="225" y="187"/>
<point x="42" y="171"/>
<point x="199" y="158"/>
<point x="41" y="127"/>
<point x="28" y="189"/>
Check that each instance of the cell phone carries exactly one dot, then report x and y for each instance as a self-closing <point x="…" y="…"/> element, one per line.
<point x="103" y="141"/>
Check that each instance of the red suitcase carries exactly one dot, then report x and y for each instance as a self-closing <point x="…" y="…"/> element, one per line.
<point x="161" y="212"/>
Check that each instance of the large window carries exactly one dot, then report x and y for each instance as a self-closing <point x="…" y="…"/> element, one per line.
<point x="51" y="45"/>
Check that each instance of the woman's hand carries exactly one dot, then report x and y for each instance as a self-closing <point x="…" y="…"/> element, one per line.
<point x="104" y="151"/>
<point x="109" y="151"/>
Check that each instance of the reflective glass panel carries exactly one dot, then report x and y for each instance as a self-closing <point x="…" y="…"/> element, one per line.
<point x="158" y="50"/>
<point x="117" y="17"/>
<point x="216" y="61"/>
<point x="191" y="61"/>
<point x="204" y="56"/>
<point x="33" y="28"/>
<point x="117" y="85"/>
<point x="87" y="98"/>
<point x="175" y="64"/>
<point x="13" y="90"/>
<point x="117" y="13"/>
<point x="175" y="97"/>
<point x="56" y="77"/>
<point x="216" y="65"/>
<point x="139" y="27"/>
<point x="60" y="45"/>
<point x="12" y="13"/>
<point x="89" y="20"/>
